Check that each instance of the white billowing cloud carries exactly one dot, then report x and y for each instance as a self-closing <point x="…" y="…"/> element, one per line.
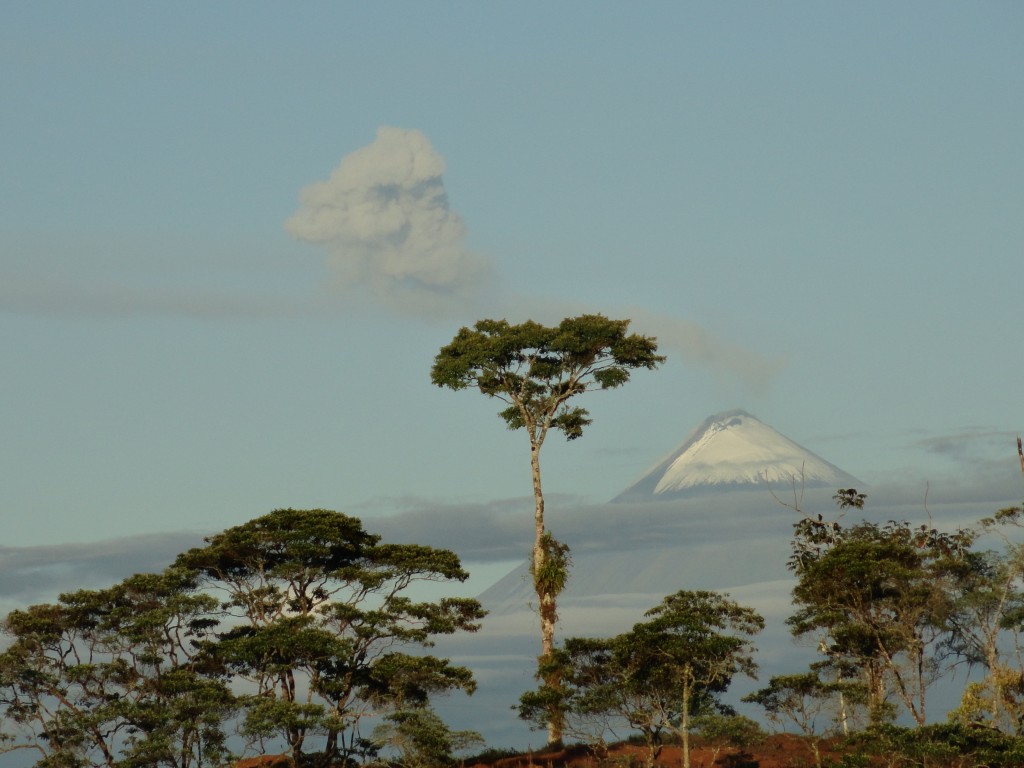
<point x="384" y="217"/>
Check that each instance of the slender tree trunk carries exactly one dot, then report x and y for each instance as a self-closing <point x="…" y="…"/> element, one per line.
<point x="546" y="600"/>
<point x="842" y="713"/>
<point x="876" y="691"/>
<point x="920" y="715"/>
<point x="817" y="752"/>
<point x="684" y="720"/>
<point x="331" y="747"/>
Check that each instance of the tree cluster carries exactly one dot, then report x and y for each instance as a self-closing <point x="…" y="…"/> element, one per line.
<point x="288" y="631"/>
<point x="892" y="609"/>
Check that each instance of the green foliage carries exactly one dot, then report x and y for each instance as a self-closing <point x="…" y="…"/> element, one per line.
<point x="537" y="369"/>
<point x="987" y="625"/>
<point x="551" y="577"/>
<point x="727" y="731"/>
<point x="793" y="698"/>
<point x="319" y="620"/>
<point x="117" y="674"/>
<point x="803" y="700"/>
<point x="700" y="638"/>
<point x="849" y="498"/>
<point x="882" y="599"/>
<point x="893" y="607"/>
<point x="952" y="745"/>
<point x="421" y="739"/>
<point x="587" y="677"/>
<point x="654" y="678"/>
<point x="1007" y="516"/>
<point x="312" y="625"/>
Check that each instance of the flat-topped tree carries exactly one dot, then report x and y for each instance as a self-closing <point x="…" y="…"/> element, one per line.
<point x="536" y="371"/>
<point x="319" y="624"/>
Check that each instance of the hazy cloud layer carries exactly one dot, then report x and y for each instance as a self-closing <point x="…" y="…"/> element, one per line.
<point x="53" y="296"/>
<point x="384" y="217"/>
<point x="30" y="575"/>
<point x="502" y="530"/>
<point x="971" y="442"/>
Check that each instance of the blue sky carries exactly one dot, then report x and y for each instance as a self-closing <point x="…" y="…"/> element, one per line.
<point x="816" y="207"/>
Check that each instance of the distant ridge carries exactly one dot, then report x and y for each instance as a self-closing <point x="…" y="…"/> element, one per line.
<point x="734" y="451"/>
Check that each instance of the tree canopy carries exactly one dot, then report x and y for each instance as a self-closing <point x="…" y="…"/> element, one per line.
<point x="116" y="677"/>
<point x="319" y="620"/>
<point x="537" y="369"/>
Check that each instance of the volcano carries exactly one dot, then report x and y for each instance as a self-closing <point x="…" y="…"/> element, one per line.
<point x="727" y="488"/>
<point x="734" y="451"/>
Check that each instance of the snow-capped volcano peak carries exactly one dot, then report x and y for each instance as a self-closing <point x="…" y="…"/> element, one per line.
<point x="730" y="451"/>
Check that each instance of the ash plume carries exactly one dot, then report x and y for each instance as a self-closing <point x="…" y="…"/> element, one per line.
<point x="383" y="216"/>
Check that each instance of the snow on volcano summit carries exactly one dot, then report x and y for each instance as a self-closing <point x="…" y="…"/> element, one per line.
<point x="733" y="450"/>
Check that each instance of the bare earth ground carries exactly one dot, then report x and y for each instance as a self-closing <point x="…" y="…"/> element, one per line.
<point x="777" y="751"/>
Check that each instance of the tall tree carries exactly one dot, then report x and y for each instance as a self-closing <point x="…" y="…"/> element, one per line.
<point x="536" y="371"/>
<point x="318" y="620"/>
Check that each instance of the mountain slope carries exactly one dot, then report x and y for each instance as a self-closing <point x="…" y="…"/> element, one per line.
<point x="735" y="451"/>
